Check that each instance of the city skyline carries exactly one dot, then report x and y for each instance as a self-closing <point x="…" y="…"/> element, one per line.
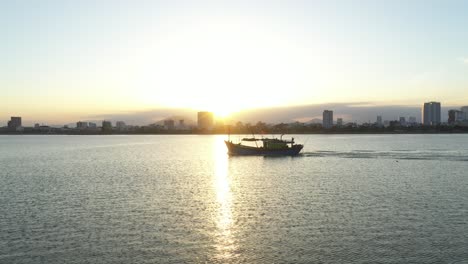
<point x="72" y="60"/>
<point x="206" y="124"/>
<point x="430" y="114"/>
<point x="356" y="113"/>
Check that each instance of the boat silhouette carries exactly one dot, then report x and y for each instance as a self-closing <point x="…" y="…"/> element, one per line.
<point x="268" y="147"/>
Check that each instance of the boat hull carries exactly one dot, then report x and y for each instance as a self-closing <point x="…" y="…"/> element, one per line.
<point x="242" y="150"/>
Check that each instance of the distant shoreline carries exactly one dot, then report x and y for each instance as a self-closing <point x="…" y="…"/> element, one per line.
<point x="234" y="134"/>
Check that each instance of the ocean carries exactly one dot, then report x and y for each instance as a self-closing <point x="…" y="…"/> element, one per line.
<point x="182" y="199"/>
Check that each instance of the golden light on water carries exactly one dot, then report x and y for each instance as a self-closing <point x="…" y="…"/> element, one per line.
<point x="225" y="243"/>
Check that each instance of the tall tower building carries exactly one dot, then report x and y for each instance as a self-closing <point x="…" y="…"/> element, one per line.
<point x="81" y="125"/>
<point x="327" y="121"/>
<point x="402" y="121"/>
<point x="120" y="125"/>
<point x="431" y="113"/>
<point x="15" y="123"/>
<point x="464" y="109"/>
<point x="379" y="121"/>
<point x="339" y="122"/>
<point x="106" y="125"/>
<point x="455" y="116"/>
<point x="205" y="120"/>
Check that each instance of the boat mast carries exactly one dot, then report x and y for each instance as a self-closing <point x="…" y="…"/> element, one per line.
<point x="253" y="135"/>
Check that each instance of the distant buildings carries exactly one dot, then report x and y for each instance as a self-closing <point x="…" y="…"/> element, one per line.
<point x="379" y="121"/>
<point x="106" y="125"/>
<point x="205" y="120"/>
<point x="431" y="114"/>
<point x="402" y="121"/>
<point x="339" y="122"/>
<point x="181" y="124"/>
<point x="81" y="125"/>
<point x="120" y="125"/>
<point x="464" y="109"/>
<point x="169" y="124"/>
<point x="15" y="123"/>
<point x="457" y="122"/>
<point x="458" y="116"/>
<point x="455" y="116"/>
<point x="86" y="126"/>
<point x="327" y="121"/>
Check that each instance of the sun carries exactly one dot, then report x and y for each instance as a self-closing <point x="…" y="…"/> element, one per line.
<point x="222" y="68"/>
<point x="221" y="111"/>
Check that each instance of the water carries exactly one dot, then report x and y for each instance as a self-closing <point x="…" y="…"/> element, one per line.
<point x="181" y="199"/>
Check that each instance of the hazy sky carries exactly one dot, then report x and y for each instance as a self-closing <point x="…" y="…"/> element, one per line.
<point x="65" y="60"/>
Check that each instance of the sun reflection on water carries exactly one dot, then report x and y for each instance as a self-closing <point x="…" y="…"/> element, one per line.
<point x="225" y="243"/>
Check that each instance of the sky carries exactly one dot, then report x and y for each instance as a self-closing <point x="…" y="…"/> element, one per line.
<point x="63" y="61"/>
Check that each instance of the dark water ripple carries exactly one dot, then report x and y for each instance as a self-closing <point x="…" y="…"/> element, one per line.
<point x="165" y="199"/>
<point x="446" y="155"/>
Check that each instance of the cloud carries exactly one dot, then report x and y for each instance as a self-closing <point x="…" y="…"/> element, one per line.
<point x="361" y="104"/>
<point x="463" y="60"/>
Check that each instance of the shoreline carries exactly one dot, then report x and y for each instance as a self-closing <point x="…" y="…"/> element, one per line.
<point x="234" y="134"/>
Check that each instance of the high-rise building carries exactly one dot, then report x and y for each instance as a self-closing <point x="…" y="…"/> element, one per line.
<point x="81" y="125"/>
<point x="379" y="121"/>
<point x="455" y="116"/>
<point x="339" y="122"/>
<point x="92" y="125"/>
<point x="15" y="123"/>
<point x="106" y="125"/>
<point x="402" y="121"/>
<point x="205" y="120"/>
<point x="464" y="109"/>
<point x="431" y="113"/>
<point x="181" y="124"/>
<point x="452" y="116"/>
<point x="120" y="125"/>
<point x="327" y="121"/>
<point x="412" y="120"/>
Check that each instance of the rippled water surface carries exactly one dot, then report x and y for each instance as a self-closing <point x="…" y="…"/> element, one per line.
<point x="181" y="199"/>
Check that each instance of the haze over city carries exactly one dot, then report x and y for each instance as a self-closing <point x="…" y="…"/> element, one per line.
<point x="65" y="61"/>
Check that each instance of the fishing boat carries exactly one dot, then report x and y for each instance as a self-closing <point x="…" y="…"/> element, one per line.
<point x="267" y="147"/>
